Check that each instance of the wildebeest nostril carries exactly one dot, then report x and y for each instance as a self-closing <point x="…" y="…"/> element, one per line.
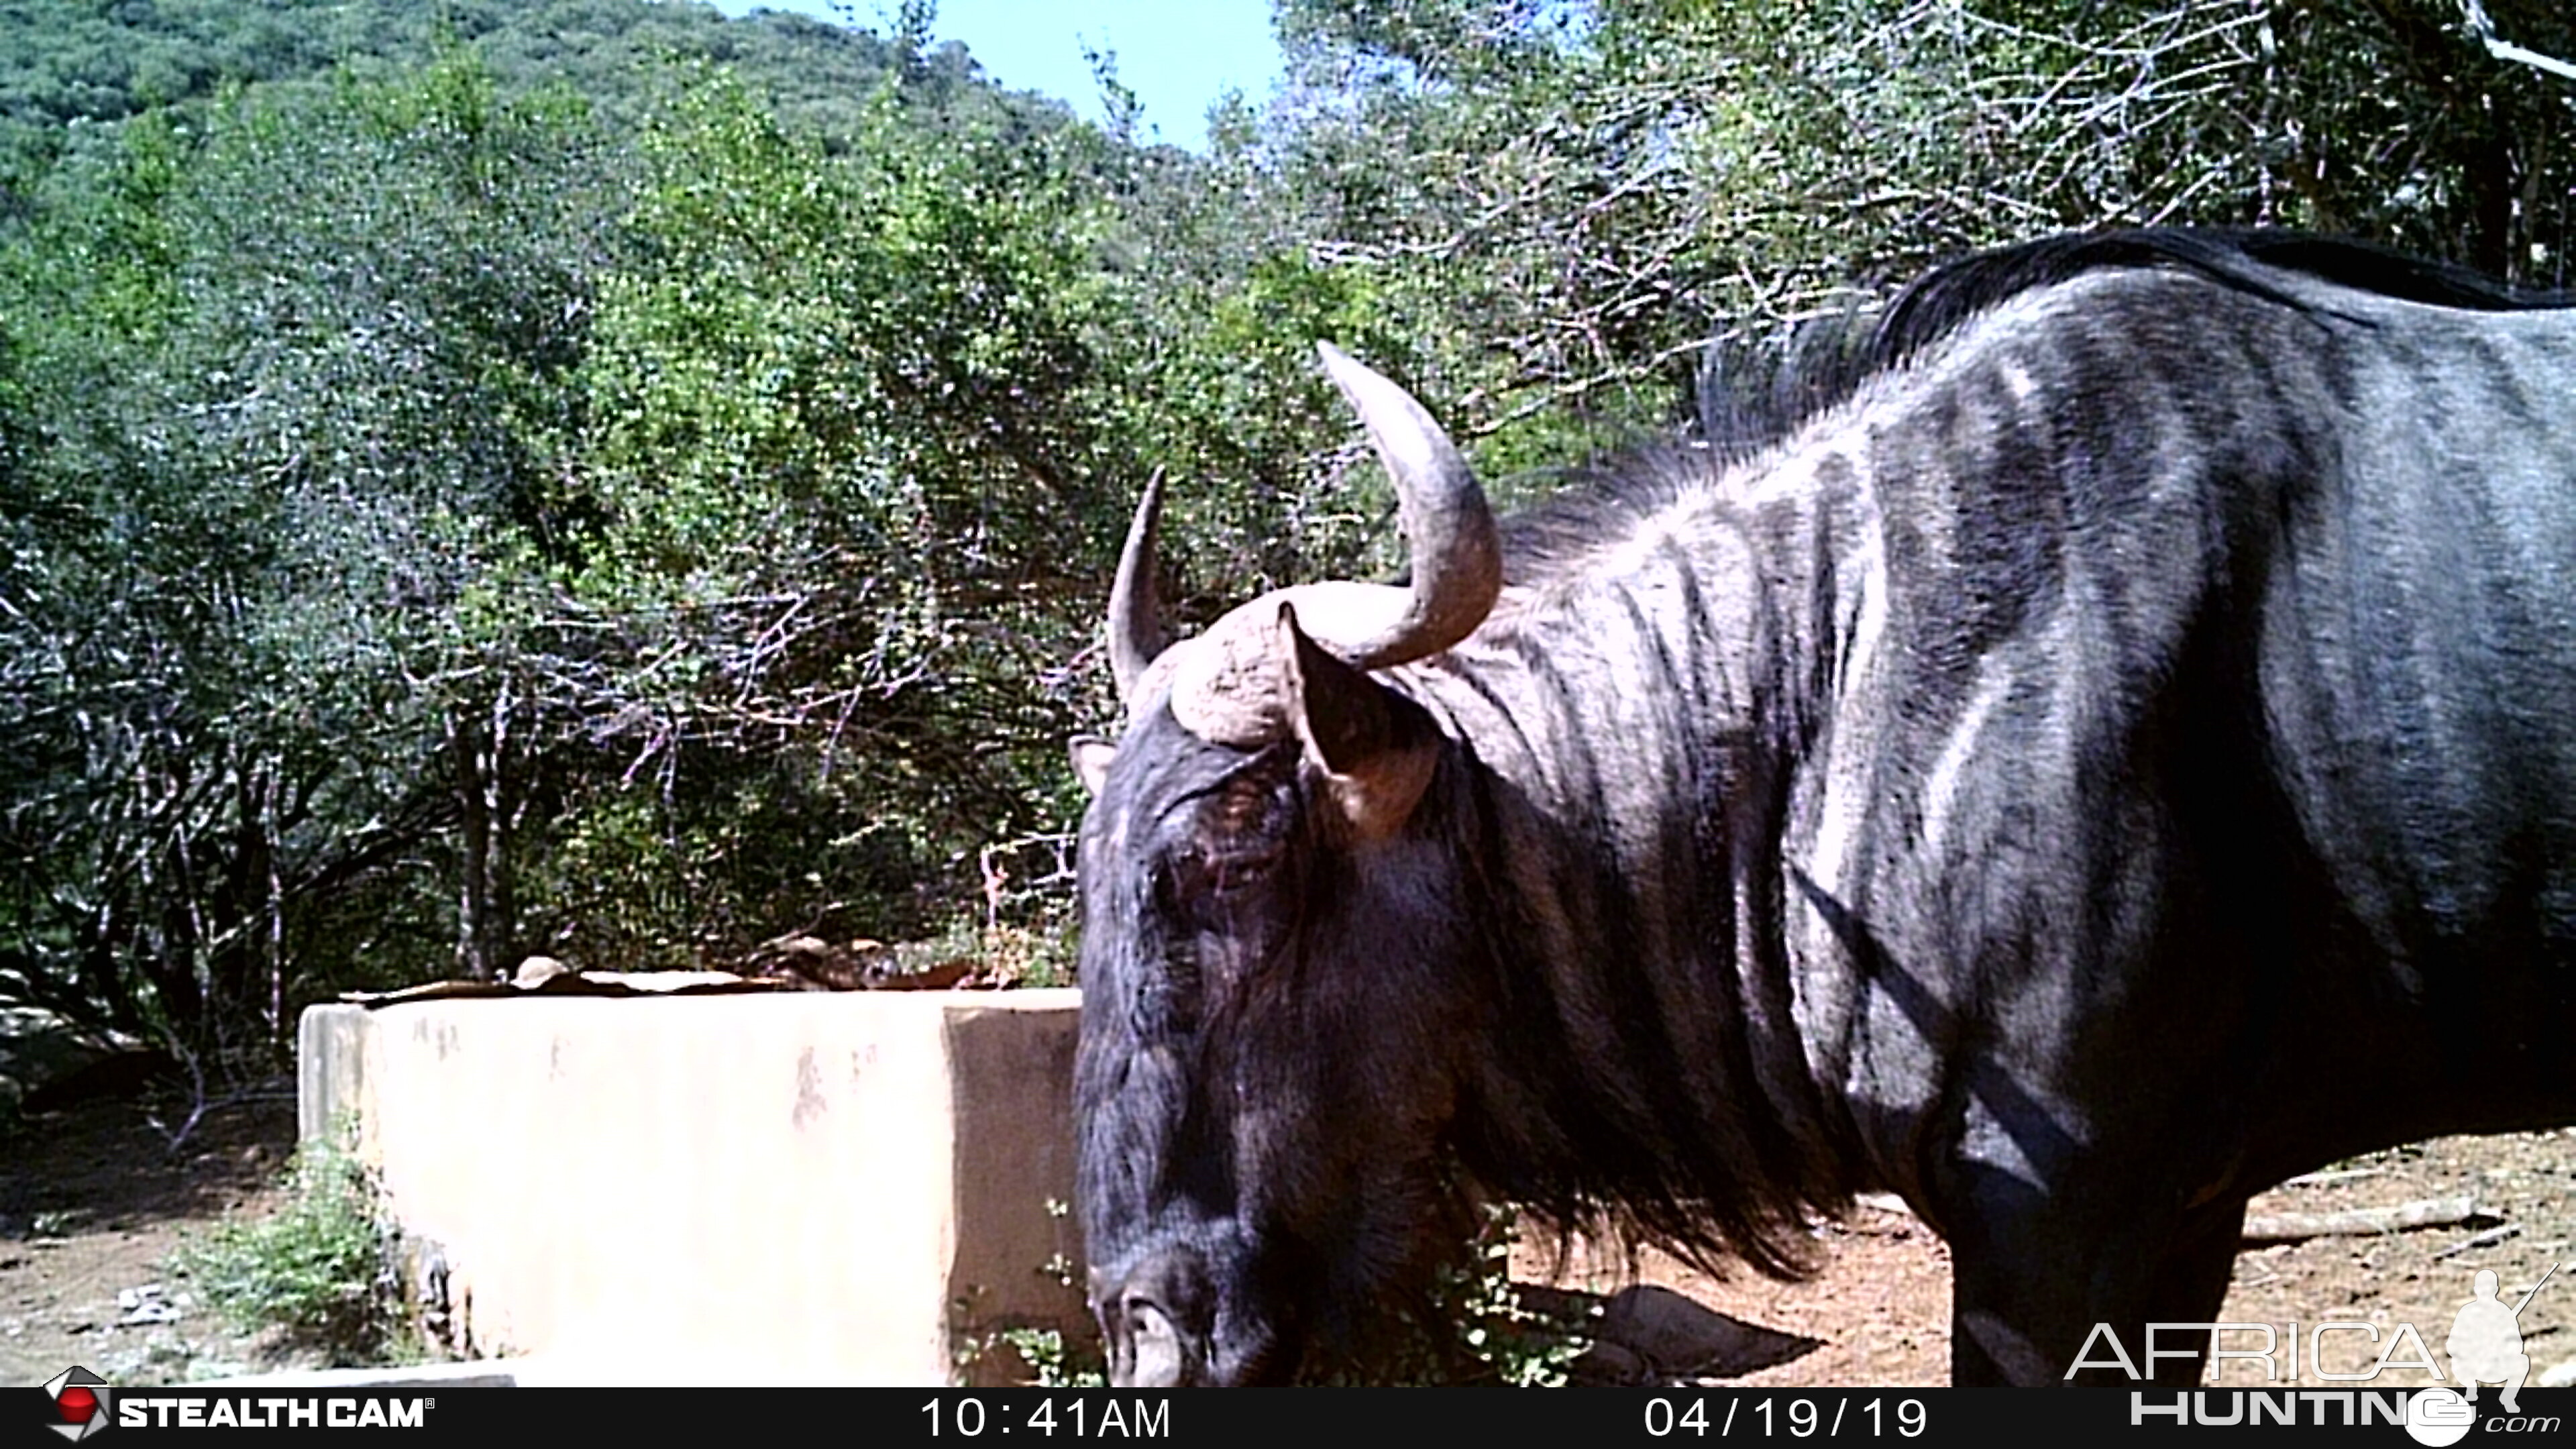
<point x="1155" y="1358"/>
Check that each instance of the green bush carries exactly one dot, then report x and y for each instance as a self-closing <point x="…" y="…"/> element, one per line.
<point x="1473" y="1328"/>
<point x="1476" y="1328"/>
<point x="1520" y="1344"/>
<point x="320" y="1272"/>
<point x="1053" y="1364"/>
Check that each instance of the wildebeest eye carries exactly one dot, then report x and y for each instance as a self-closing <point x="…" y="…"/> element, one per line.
<point x="1237" y="834"/>
<point x="1200" y="874"/>
<point x="1244" y="809"/>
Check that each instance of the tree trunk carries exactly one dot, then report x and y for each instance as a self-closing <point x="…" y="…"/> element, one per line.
<point x="487" y="909"/>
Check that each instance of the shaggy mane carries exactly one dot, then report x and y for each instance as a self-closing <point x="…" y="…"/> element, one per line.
<point x="1822" y="364"/>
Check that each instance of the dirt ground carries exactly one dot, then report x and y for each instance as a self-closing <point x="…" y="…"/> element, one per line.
<point x="92" y="1203"/>
<point x="1878" y="1316"/>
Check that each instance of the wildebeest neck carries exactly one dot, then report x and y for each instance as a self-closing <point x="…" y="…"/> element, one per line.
<point x="1627" y="726"/>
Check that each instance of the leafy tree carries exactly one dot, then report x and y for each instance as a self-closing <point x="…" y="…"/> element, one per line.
<point x="1575" y="199"/>
<point x="602" y="478"/>
<point x="279" y="500"/>
<point x="839" y="428"/>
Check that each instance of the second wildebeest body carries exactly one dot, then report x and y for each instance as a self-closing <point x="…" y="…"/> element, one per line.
<point x="2122" y="754"/>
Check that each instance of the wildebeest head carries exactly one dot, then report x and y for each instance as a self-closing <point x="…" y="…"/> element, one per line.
<point x="1268" y="944"/>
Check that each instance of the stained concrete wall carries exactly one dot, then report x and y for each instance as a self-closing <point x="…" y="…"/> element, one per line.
<point x="807" y="1187"/>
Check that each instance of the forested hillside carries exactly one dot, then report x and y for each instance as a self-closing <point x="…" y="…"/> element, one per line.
<point x="78" y="60"/>
<point x="603" y="479"/>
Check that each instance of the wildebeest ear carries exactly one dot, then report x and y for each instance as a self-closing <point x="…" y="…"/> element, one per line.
<point x="1376" y="748"/>
<point x="1091" y="757"/>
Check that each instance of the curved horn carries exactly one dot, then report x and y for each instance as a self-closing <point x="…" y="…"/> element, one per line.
<point x="1136" y="634"/>
<point x="1227" y="682"/>
<point x="1456" y="551"/>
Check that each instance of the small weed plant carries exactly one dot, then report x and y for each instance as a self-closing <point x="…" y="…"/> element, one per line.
<point x="1054" y="1365"/>
<point x="320" y="1272"/>
<point x="1482" y="1330"/>
<point x="1473" y="1327"/>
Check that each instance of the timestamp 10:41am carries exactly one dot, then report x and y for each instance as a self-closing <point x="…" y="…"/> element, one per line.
<point x="1076" y="1416"/>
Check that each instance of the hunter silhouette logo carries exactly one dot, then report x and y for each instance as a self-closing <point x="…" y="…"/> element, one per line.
<point x="2486" y="1340"/>
<point x="80" y="1403"/>
<point x="2485" y="1346"/>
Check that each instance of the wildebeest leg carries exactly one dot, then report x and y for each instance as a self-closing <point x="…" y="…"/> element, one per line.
<point x="2010" y="1313"/>
<point x="2035" y="1271"/>
<point x="2191" y="1287"/>
<point x="2023" y="1314"/>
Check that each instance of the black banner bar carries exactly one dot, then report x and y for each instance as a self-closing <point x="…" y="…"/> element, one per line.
<point x="1012" y="1418"/>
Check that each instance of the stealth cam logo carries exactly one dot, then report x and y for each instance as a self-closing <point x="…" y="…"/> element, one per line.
<point x="80" y="1403"/>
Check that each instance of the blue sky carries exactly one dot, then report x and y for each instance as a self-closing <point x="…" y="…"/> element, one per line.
<point x="1176" y="55"/>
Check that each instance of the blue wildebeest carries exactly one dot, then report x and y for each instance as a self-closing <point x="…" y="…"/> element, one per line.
<point x="2117" y="750"/>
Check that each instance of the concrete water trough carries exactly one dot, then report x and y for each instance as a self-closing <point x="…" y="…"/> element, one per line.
<point x="803" y="1187"/>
